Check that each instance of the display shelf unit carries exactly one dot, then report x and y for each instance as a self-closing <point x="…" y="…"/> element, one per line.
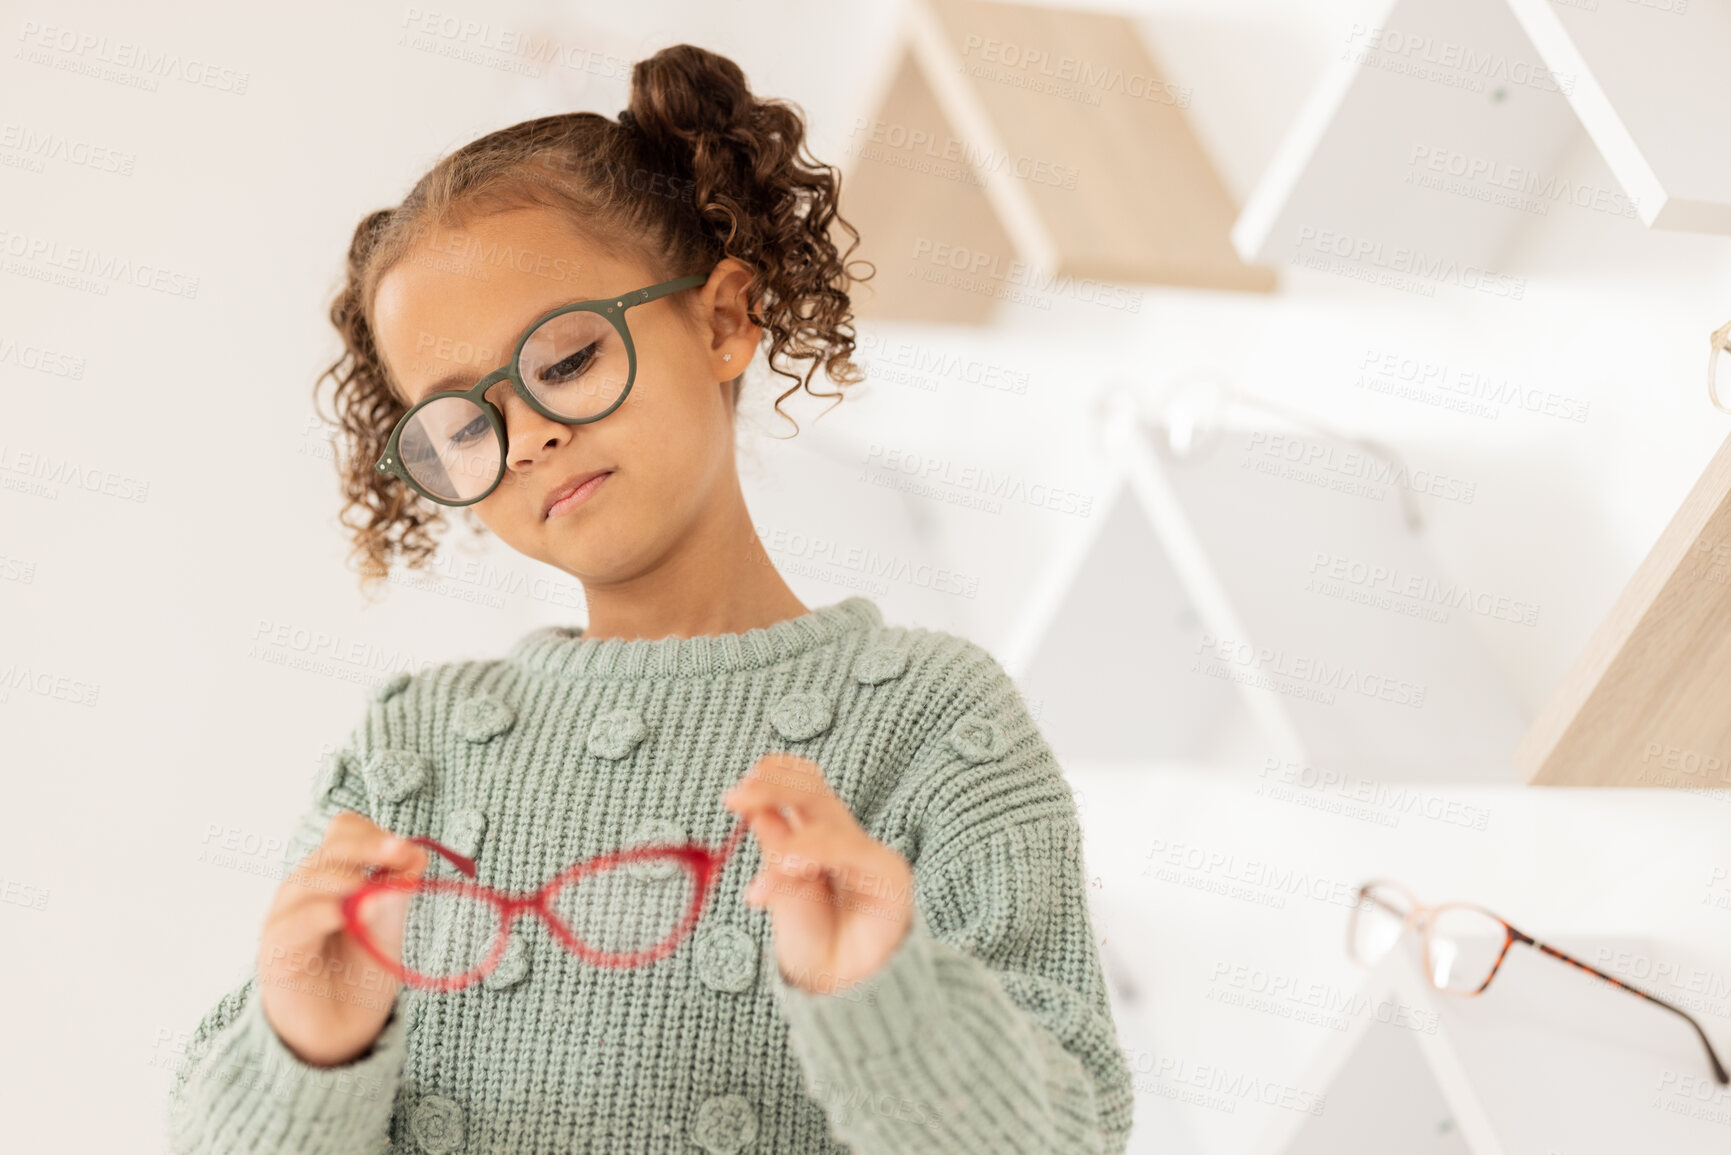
<point x="1643" y="703"/>
<point x="1497" y="91"/>
<point x="1025" y="175"/>
<point x="1353" y="178"/>
<point x="1438" y="119"/>
<point x="1649" y="82"/>
<point x="1548" y="1059"/>
<point x="1123" y="629"/>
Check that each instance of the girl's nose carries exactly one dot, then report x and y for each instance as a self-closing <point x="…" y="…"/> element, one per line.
<point x="527" y="432"/>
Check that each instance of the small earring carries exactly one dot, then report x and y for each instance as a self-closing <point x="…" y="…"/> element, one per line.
<point x="727" y="356"/>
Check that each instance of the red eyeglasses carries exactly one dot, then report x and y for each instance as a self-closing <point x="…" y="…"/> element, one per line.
<point x="622" y="909"/>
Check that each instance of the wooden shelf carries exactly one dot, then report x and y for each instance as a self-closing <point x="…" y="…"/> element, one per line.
<point x="1026" y="173"/>
<point x="1643" y="704"/>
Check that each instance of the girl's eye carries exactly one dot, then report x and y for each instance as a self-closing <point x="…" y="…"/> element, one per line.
<point x="470" y="433"/>
<point x="570" y="367"/>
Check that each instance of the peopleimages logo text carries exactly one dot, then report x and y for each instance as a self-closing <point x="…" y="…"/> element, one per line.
<point x="1312" y="671"/>
<point x="1364" y="251"/>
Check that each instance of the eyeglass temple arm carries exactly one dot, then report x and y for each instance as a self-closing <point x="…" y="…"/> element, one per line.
<point x="642" y="296"/>
<point x="1721" y="339"/>
<point x="738" y="832"/>
<point x="461" y="861"/>
<point x="1365" y="896"/>
<point x="1718" y="1067"/>
<point x="467" y="865"/>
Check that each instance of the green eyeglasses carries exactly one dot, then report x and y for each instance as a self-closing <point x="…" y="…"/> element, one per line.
<point x="574" y="365"/>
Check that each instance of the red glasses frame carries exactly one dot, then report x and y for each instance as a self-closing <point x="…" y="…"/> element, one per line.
<point x="1421" y="918"/>
<point x="701" y="862"/>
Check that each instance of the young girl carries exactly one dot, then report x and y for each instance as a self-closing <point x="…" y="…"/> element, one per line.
<point x="895" y="953"/>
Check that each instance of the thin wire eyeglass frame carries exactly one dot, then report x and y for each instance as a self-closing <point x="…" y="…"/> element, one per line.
<point x="1422" y="918"/>
<point x="612" y="308"/>
<point x="702" y="863"/>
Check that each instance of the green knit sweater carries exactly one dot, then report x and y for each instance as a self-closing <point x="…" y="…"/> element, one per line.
<point x="988" y="1030"/>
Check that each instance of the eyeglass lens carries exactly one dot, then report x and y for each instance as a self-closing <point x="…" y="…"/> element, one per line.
<point x="1464" y="946"/>
<point x="1377" y="923"/>
<point x="625" y="909"/>
<point x="1719" y="375"/>
<point x="575" y="365"/>
<point x="1464" y="942"/>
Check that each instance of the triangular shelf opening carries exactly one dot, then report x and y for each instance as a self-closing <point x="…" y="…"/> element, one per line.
<point x="1312" y="601"/>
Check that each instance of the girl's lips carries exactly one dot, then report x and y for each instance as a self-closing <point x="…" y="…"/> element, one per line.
<point x="577" y="496"/>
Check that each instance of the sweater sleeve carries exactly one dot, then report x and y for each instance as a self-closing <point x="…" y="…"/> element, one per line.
<point x="241" y="1091"/>
<point x="989" y="1028"/>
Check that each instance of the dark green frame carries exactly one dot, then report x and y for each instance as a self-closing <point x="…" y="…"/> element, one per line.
<point x="613" y="308"/>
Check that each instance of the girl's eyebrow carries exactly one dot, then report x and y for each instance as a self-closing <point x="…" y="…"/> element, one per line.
<point x="449" y="381"/>
<point x="462" y="379"/>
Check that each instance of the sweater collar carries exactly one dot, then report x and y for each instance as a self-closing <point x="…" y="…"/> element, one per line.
<point x="563" y="651"/>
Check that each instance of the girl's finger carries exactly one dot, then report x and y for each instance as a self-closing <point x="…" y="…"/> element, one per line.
<point x="768" y="826"/>
<point x="806" y="921"/>
<point x="777" y="779"/>
<point x="806" y="892"/>
<point x="339" y="864"/>
<point x="806" y="902"/>
<point x="775" y="837"/>
<point x="812" y="851"/>
<point x="798" y="807"/>
<point x="308" y="922"/>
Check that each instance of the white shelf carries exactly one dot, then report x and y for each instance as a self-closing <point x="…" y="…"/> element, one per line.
<point x="1651" y="83"/>
<point x="1352" y="164"/>
<point x="1121" y="634"/>
<point x="1548" y="1059"/>
<point x="1485" y="96"/>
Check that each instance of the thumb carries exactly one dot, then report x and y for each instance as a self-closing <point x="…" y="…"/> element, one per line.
<point x="385" y="915"/>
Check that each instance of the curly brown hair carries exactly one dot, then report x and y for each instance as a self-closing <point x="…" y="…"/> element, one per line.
<point x="696" y="169"/>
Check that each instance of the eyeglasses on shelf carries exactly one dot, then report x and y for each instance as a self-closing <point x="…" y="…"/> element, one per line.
<point x="1463" y="946"/>
<point x="1719" y="364"/>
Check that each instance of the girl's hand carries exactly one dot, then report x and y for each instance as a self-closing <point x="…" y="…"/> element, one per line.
<point x="323" y="994"/>
<point x="840" y="902"/>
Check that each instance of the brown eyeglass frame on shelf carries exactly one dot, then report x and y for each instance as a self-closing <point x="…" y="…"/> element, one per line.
<point x="1422" y="918"/>
<point x="1721" y="339"/>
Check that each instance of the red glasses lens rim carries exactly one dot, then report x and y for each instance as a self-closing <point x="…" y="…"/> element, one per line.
<point x="699" y="862"/>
